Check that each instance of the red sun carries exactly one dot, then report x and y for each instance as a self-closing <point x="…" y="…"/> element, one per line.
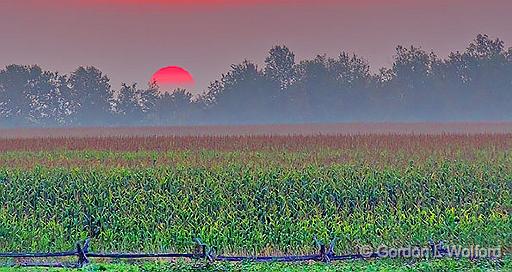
<point x="172" y="77"/>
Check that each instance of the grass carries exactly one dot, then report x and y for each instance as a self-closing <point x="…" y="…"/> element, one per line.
<point x="373" y="265"/>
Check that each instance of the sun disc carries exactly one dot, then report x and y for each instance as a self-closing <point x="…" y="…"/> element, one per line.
<point x="172" y="77"/>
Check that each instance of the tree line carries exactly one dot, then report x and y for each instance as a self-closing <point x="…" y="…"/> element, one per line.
<point x="470" y="85"/>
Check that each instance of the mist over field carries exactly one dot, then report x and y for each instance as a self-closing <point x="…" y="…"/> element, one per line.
<point x="474" y="84"/>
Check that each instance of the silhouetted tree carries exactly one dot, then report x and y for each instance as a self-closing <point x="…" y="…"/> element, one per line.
<point x="280" y="66"/>
<point x="474" y="84"/>
<point x="93" y="96"/>
<point x="489" y="75"/>
<point x="175" y="108"/>
<point x="243" y="95"/>
<point x="352" y="80"/>
<point x="31" y="96"/>
<point x="50" y="103"/>
<point x="329" y="89"/>
<point x="148" y="99"/>
<point x="128" y="108"/>
<point x="312" y="95"/>
<point x="413" y="79"/>
<point x="16" y="90"/>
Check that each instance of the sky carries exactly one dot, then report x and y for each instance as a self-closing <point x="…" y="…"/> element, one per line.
<point x="131" y="39"/>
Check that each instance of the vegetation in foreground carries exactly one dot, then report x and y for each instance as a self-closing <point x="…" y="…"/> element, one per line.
<point x="373" y="265"/>
<point x="259" y="195"/>
<point x="239" y="209"/>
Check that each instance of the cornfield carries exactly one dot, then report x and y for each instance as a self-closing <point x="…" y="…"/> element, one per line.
<point x="255" y="194"/>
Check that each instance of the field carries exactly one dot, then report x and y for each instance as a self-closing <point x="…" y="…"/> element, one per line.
<point x="259" y="194"/>
<point x="349" y="266"/>
<point x="251" y="130"/>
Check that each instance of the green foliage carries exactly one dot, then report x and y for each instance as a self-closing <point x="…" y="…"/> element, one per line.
<point x="374" y="265"/>
<point x="255" y="210"/>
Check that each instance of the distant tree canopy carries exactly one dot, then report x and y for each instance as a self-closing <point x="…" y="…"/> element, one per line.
<point x="475" y="84"/>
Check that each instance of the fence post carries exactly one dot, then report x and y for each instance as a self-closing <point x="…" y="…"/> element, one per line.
<point x="200" y="249"/>
<point x="81" y="253"/>
<point x="86" y="245"/>
<point x="324" y="256"/>
<point x="210" y="255"/>
<point x="330" y="253"/>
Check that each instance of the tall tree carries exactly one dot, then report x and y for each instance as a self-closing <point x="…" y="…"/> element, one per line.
<point x="352" y="77"/>
<point x="413" y="71"/>
<point x="93" y="95"/>
<point x="280" y="66"/>
<point x="175" y="108"/>
<point x="311" y="90"/>
<point x="128" y="107"/>
<point x="31" y="96"/>
<point x="50" y="104"/>
<point x="489" y="76"/>
<point x="243" y="95"/>
<point x="148" y="98"/>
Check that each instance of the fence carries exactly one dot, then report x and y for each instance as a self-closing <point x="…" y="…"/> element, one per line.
<point x="201" y="252"/>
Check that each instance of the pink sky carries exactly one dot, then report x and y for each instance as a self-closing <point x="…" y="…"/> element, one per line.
<point x="131" y="39"/>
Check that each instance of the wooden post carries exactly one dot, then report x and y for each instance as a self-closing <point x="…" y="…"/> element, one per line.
<point x="81" y="253"/>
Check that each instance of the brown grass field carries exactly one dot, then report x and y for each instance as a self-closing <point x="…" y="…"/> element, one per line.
<point x="289" y="146"/>
<point x="413" y="144"/>
<point x="310" y="129"/>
